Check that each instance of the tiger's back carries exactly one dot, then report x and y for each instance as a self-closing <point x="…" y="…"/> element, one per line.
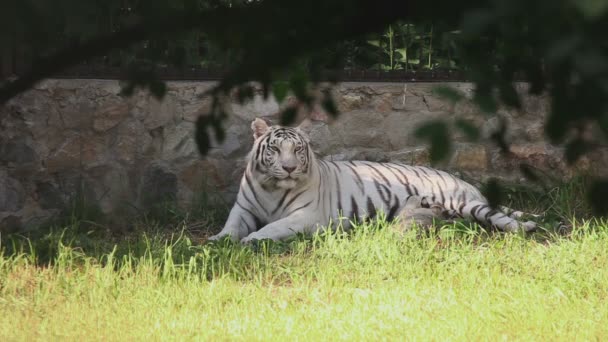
<point x="362" y="188"/>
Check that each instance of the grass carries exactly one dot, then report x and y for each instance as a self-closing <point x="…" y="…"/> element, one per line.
<point x="460" y="283"/>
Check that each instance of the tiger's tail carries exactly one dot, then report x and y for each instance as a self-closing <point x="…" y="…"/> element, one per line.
<point x="505" y="219"/>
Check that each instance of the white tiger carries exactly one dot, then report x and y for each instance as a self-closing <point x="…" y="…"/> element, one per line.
<point x="286" y="190"/>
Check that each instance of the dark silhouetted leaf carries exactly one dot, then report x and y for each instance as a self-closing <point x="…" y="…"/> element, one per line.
<point x="576" y="149"/>
<point x="486" y="102"/>
<point x="288" y="116"/>
<point x="329" y="105"/>
<point x="536" y="78"/>
<point x="509" y="95"/>
<point x="528" y="172"/>
<point x="158" y="88"/>
<point x="280" y="90"/>
<point x="596" y="195"/>
<point x="469" y="130"/>
<point x="493" y="192"/>
<point x="127" y="89"/>
<point x="201" y="136"/>
<point x="476" y="22"/>
<point x="499" y="136"/>
<point x="244" y="93"/>
<point x="437" y="134"/>
<point x="299" y="85"/>
<point x="177" y="56"/>
<point x="448" y="93"/>
<point x="556" y="126"/>
<point x="563" y="49"/>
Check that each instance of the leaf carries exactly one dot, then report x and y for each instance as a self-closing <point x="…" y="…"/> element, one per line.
<point x="280" y="90"/>
<point x="218" y="130"/>
<point x="603" y="123"/>
<point x="493" y="192"/>
<point x="299" y="83"/>
<point x="288" y="116"/>
<point x="536" y="78"/>
<point x="509" y="95"/>
<point x="476" y="22"/>
<point x="437" y="134"/>
<point x="484" y="99"/>
<point x="556" y="125"/>
<point x="375" y="43"/>
<point x="596" y="195"/>
<point x="576" y="149"/>
<point x="590" y="62"/>
<point x="563" y="49"/>
<point x="127" y="89"/>
<point x="528" y="172"/>
<point x="448" y="93"/>
<point x="592" y="9"/>
<point x="329" y="105"/>
<point x="244" y="93"/>
<point x="469" y="130"/>
<point x="201" y="136"/>
<point x="499" y="136"/>
<point x="158" y="88"/>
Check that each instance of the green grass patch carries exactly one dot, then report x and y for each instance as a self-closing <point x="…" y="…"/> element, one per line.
<point x="457" y="283"/>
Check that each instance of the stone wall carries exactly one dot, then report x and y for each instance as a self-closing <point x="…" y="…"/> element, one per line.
<point x="68" y="139"/>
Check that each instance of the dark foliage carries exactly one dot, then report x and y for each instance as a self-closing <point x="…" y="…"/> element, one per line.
<point x="558" y="46"/>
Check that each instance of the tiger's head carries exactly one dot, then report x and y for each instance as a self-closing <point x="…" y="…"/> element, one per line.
<point x="281" y="156"/>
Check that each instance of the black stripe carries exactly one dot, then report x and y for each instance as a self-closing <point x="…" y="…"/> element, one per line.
<point x="336" y="165"/>
<point x="319" y="189"/>
<point x="405" y="180"/>
<point x="355" y="209"/>
<point x="358" y="179"/>
<point x="393" y="210"/>
<point x="472" y="212"/>
<point x="460" y="207"/>
<point x="416" y="192"/>
<point x="281" y="201"/>
<point x="442" y="195"/>
<point x="379" y="173"/>
<point x="385" y="197"/>
<point x="294" y="198"/>
<point x="250" y="185"/>
<point x="441" y="176"/>
<point x="298" y="208"/>
<point x="371" y="209"/>
<point x="489" y="214"/>
<point x="261" y="145"/>
<point x="249" y="200"/>
<point x="243" y="222"/>
<point x="338" y="188"/>
<point x="258" y="222"/>
<point x="451" y="201"/>
<point x="416" y="172"/>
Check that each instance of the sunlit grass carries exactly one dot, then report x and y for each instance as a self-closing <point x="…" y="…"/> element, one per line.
<point x="459" y="283"/>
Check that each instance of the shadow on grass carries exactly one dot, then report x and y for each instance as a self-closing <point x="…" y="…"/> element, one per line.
<point x="179" y="243"/>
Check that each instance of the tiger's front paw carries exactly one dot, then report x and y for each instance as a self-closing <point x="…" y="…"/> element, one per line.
<point x="222" y="235"/>
<point x="255" y="237"/>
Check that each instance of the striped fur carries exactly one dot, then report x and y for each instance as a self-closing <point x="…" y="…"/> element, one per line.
<point x="285" y="190"/>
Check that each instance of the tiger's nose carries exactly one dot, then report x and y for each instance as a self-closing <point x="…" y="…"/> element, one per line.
<point x="289" y="169"/>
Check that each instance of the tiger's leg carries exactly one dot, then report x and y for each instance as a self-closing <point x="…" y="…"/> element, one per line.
<point x="299" y="222"/>
<point x="240" y="223"/>
<point x="482" y="213"/>
<point x="418" y="211"/>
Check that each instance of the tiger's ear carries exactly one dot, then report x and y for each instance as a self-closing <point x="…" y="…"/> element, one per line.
<point x="259" y="127"/>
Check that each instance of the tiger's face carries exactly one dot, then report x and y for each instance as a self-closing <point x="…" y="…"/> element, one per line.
<point x="280" y="154"/>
